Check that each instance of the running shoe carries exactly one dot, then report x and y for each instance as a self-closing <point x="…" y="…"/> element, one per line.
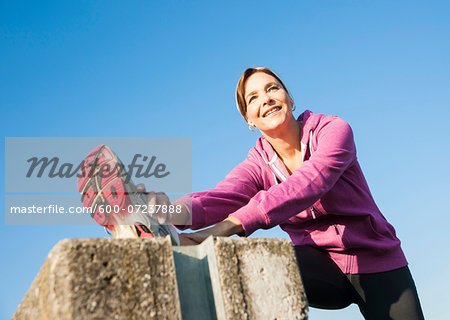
<point x="114" y="200"/>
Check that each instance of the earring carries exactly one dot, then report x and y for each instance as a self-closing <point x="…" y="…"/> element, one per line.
<point x="250" y="128"/>
<point x="293" y="107"/>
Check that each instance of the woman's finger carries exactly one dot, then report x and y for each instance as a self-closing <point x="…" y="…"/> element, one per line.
<point x="151" y="198"/>
<point x="192" y="238"/>
<point x="162" y="198"/>
<point x="159" y="206"/>
<point x="164" y="216"/>
<point x="198" y="237"/>
<point x="140" y="187"/>
<point x="185" y="241"/>
<point x="151" y="202"/>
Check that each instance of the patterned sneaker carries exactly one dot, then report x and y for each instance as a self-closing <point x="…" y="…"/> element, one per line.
<point x="114" y="201"/>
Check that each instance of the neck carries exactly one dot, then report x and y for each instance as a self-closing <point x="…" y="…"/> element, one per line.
<point x="286" y="141"/>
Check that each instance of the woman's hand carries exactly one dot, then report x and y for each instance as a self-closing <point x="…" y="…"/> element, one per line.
<point x="164" y="216"/>
<point x="184" y="241"/>
<point x="194" y="237"/>
<point x="226" y="228"/>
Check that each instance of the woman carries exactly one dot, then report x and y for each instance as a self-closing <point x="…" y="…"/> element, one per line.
<point x="304" y="176"/>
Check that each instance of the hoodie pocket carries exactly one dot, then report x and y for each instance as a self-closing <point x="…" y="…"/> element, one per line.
<point x="383" y="230"/>
<point x="372" y="228"/>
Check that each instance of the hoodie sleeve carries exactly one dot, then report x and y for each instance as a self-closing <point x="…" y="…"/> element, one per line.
<point x="335" y="151"/>
<point x="212" y="206"/>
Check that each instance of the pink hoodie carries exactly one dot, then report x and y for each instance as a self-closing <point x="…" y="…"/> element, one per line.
<point x="325" y="203"/>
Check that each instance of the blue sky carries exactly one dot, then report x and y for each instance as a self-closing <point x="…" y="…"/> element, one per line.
<point x="169" y="69"/>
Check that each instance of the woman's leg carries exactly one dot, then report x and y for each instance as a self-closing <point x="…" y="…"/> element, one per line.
<point x="325" y="285"/>
<point x="387" y="295"/>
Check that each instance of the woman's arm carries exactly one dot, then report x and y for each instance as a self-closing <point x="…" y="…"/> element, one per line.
<point x="334" y="153"/>
<point x="225" y="228"/>
<point x="206" y="208"/>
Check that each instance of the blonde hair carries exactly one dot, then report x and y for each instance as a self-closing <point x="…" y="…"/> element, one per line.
<point x="240" y="88"/>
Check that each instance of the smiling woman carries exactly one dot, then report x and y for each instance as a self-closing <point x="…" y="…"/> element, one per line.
<point x="268" y="106"/>
<point x="303" y="175"/>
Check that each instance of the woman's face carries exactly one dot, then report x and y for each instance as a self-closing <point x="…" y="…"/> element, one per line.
<point x="269" y="106"/>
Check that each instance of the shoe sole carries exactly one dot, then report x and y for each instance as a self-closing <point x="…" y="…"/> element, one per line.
<point x="112" y="199"/>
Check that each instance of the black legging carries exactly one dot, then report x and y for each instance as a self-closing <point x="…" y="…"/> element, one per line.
<point x="384" y="295"/>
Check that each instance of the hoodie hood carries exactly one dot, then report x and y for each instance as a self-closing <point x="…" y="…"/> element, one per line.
<point x="309" y="122"/>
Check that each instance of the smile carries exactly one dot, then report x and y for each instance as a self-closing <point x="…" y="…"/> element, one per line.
<point x="271" y="111"/>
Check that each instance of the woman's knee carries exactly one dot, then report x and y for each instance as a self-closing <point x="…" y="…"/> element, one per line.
<point x="326" y="286"/>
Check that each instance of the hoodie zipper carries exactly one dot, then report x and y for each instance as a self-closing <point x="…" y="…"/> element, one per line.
<point x="313" y="213"/>
<point x="337" y="230"/>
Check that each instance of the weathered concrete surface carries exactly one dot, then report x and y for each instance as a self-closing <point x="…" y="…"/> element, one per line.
<point x="223" y="278"/>
<point x="104" y="279"/>
<point x="259" y="279"/>
<point x="192" y="264"/>
<point x="240" y="279"/>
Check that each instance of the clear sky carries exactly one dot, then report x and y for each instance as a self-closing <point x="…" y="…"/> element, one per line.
<point x="169" y="69"/>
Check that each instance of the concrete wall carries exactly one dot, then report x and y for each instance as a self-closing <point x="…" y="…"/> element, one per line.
<point x="223" y="278"/>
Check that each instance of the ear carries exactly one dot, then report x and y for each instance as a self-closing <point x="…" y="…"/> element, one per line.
<point x="291" y="100"/>
<point x="251" y="124"/>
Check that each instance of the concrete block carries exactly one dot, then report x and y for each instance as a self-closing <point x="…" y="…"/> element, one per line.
<point x="222" y="278"/>
<point x="193" y="267"/>
<point x="260" y="279"/>
<point x="248" y="279"/>
<point x="104" y="279"/>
